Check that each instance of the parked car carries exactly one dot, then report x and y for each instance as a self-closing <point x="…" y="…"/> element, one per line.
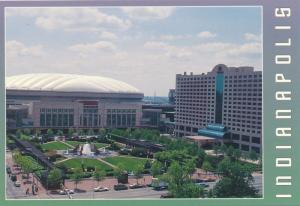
<point x="100" y="189"/>
<point x="66" y="191"/>
<point x="166" y="195"/>
<point x="158" y="184"/>
<point x="17" y="184"/>
<point x="130" y="174"/>
<point x="198" y="180"/>
<point x="202" y="184"/>
<point x="136" y="186"/>
<point x="25" y="176"/>
<point x="8" y="170"/>
<point x="120" y="187"/>
<point x="13" y="177"/>
<point x="209" y="180"/>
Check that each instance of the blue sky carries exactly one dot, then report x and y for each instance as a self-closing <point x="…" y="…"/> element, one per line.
<point x="142" y="46"/>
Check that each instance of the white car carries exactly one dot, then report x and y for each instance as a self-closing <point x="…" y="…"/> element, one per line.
<point x="17" y="184"/>
<point x="66" y="191"/>
<point x="100" y="189"/>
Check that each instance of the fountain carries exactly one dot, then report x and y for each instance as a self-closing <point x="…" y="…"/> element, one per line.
<point x="86" y="150"/>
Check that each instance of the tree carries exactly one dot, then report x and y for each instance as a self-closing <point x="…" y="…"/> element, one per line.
<point x="37" y="132"/>
<point x="55" y="177"/>
<point x="77" y="176"/>
<point x="80" y="132"/>
<point x="210" y="193"/>
<point x="102" y="132"/>
<point x="223" y="149"/>
<point x="119" y="170"/>
<point x="121" y="174"/>
<point x="156" y="168"/>
<point x="206" y="166"/>
<point x="19" y="133"/>
<point x="27" y="131"/>
<point x="253" y="155"/>
<point x="114" y="146"/>
<point x="59" y="133"/>
<point x="237" y="180"/>
<point x="91" y="132"/>
<point x="50" y="133"/>
<point x="190" y="166"/>
<point x="26" y="165"/>
<point x="147" y="165"/>
<point x="216" y="149"/>
<point x="16" y="156"/>
<point x="179" y="182"/>
<point x="229" y="151"/>
<point x="70" y="132"/>
<point x="138" y="172"/>
<point x="99" y="175"/>
<point x="237" y="154"/>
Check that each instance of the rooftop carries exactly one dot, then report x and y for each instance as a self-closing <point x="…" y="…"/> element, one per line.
<point x="67" y="83"/>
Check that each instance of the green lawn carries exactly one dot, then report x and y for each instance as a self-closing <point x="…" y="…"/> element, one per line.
<point x="130" y="163"/>
<point x="75" y="143"/>
<point x="55" y="146"/>
<point x="88" y="162"/>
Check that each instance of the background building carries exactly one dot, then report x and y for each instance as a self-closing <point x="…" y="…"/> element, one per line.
<point x="62" y="101"/>
<point x="159" y="116"/>
<point x="171" y="96"/>
<point x="230" y="96"/>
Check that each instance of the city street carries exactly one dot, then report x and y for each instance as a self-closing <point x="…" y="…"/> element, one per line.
<point x="143" y="193"/>
<point x="13" y="192"/>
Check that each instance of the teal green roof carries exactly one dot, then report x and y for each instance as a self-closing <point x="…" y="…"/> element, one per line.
<point x="213" y="130"/>
<point x="216" y="127"/>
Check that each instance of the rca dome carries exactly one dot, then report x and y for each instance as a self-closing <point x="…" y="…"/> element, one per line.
<point x="62" y="101"/>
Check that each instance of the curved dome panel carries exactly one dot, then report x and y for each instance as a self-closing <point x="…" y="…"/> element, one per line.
<point x="68" y="83"/>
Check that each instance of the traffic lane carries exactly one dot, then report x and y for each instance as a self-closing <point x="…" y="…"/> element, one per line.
<point x="258" y="182"/>
<point x="257" y="178"/>
<point x="112" y="194"/>
<point x="13" y="192"/>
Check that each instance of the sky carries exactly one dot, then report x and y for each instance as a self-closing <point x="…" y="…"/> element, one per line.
<point x="143" y="46"/>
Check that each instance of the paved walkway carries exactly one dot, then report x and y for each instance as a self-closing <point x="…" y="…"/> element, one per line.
<point x="89" y="184"/>
<point x="57" y="162"/>
<point x="101" y="160"/>
<point x="25" y="183"/>
<point x="67" y="144"/>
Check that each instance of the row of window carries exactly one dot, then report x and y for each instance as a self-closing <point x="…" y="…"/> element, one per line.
<point x="90" y="120"/>
<point x="56" y="120"/>
<point x="242" y="76"/>
<point x="121" y="120"/>
<point x="121" y="111"/>
<point x="56" y="110"/>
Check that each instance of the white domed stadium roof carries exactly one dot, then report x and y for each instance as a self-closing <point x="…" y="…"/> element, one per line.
<point x="67" y="83"/>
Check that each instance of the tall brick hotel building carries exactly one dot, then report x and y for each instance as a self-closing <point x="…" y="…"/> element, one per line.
<point x="224" y="103"/>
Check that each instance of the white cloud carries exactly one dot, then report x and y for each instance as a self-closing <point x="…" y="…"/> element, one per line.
<point x="70" y="18"/>
<point x="252" y="37"/>
<point x="155" y="45"/>
<point x="148" y="13"/>
<point x="179" y="53"/>
<point x="100" y="46"/>
<point x="108" y="35"/>
<point x="229" y="49"/>
<point x="29" y="12"/>
<point x="206" y="34"/>
<point x="212" y="50"/>
<point x="18" y="49"/>
<point x="170" y="37"/>
<point x="161" y="58"/>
